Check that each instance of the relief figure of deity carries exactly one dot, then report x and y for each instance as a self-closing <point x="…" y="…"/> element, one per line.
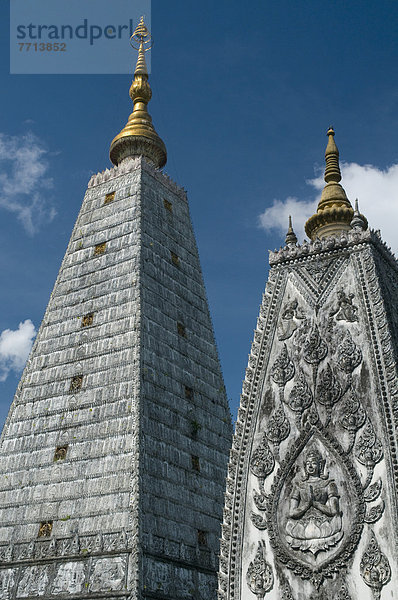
<point x="314" y="521"/>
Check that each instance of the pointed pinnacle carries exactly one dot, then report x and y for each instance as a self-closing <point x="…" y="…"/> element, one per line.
<point x="358" y="221"/>
<point x="291" y="238"/>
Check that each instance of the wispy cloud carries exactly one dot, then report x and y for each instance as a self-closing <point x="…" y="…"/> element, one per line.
<point x="376" y="189"/>
<point x="24" y="182"/>
<point x="15" y="347"/>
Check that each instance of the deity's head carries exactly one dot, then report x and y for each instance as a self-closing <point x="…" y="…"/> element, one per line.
<point x="314" y="463"/>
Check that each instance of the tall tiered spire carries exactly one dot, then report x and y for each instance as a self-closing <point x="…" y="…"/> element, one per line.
<point x="334" y="212"/>
<point x="138" y="137"/>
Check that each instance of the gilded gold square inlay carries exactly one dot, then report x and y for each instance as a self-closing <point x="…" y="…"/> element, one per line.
<point x="99" y="249"/>
<point x="195" y="463"/>
<point x="109" y="197"/>
<point x="45" y="529"/>
<point x="188" y="393"/>
<point x="76" y="383"/>
<point x="202" y="538"/>
<point x="87" y="320"/>
<point x="175" y="259"/>
<point x="168" y="205"/>
<point x="181" y="329"/>
<point x="60" y="453"/>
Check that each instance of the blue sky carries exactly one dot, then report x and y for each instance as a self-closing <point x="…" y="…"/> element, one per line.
<point x="243" y="94"/>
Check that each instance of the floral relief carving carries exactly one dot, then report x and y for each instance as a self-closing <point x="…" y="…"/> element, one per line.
<point x="368" y="449"/>
<point x="278" y="427"/>
<point x="262" y="461"/>
<point x="373" y="491"/>
<point x="300" y="396"/>
<point x="374" y="567"/>
<point x="374" y="513"/>
<point x="259" y="576"/>
<point x="328" y="389"/>
<point x="349" y="355"/>
<point x="258" y="521"/>
<point x="282" y="370"/>
<point x="315" y="349"/>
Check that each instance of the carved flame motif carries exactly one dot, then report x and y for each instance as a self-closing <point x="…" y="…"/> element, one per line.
<point x="259" y="576"/>
<point x="315" y="348"/>
<point x="278" y="427"/>
<point x="375" y="568"/>
<point x="262" y="461"/>
<point x="349" y="355"/>
<point x="368" y="449"/>
<point x="328" y="388"/>
<point x="283" y="369"/>
<point x="300" y="396"/>
<point x="353" y="416"/>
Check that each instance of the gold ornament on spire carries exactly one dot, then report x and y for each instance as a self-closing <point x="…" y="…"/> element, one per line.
<point x="138" y="137"/>
<point x="334" y="212"/>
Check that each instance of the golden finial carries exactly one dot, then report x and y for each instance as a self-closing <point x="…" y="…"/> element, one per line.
<point x="138" y="137"/>
<point x="291" y="237"/>
<point x="334" y="212"/>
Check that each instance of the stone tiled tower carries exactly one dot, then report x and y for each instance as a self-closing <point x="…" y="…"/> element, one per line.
<point x="311" y="506"/>
<point x="114" y="453"/>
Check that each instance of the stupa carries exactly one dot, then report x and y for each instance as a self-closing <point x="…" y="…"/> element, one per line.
<point x="311" y="503"/>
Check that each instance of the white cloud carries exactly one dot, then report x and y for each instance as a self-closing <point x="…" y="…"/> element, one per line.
<point x="15" y="347"/>
<point x="376" y="189"/>
<point x="24" y="183"/>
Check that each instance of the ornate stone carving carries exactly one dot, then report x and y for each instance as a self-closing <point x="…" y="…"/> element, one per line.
<point x="33" y="581"/>
<point x="262" y="461"/>
<point x="317" y="269"/>
<point x="374" y="513"/>
<point x="260" y="500"/>
<point x="313" y="526"/>
<point x="287" y="324"/>
<point x="315" y="348"/>
<point x="328" y="390"/>
<point x="368" y="449"/>
<point x="300" y="397"/>
<point x="353" y="416"/>
<point x="7" y="580"/>
<point x="314" y="519"/>
<point x="373" y="491"/>
<point x="259" y="576"/>
<point x="69" y="578"/>
<point x="278" y="427"/>
<point x="282" y="370"/>
<point x="349" y="355"/>
<point x="346" y="309"/>
<point x="375" y="568"/>
<point x="258" y="521"/>
<point x="108" y="575"/>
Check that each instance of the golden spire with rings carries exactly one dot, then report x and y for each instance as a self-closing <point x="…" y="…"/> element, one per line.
<point x="334" y="212"/>
<point x="138" y="137"/>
